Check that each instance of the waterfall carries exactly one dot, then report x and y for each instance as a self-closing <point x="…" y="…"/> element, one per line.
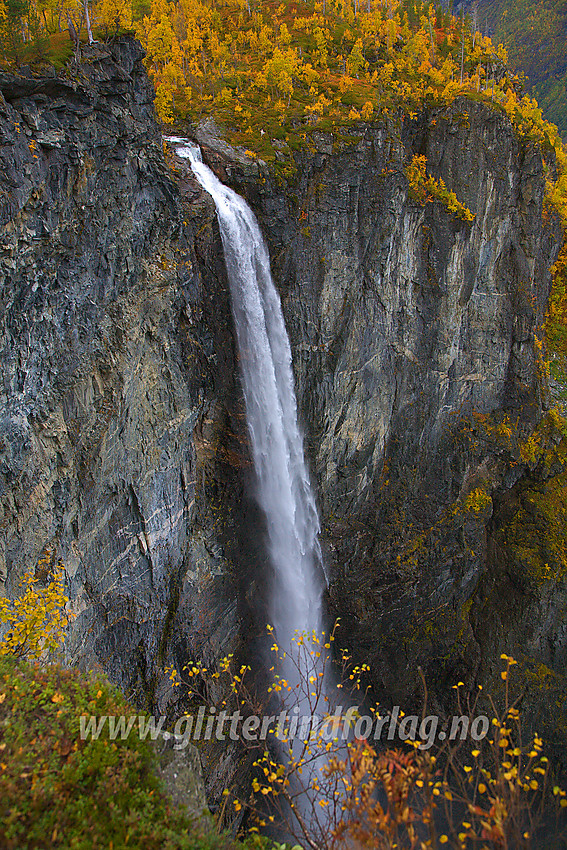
<point x="284" y="491"/>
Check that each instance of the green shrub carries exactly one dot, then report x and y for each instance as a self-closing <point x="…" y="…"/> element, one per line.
<point x="59" y="791"/>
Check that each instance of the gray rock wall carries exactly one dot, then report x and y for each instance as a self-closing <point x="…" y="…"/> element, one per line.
<point x="122" y="443"/>
<point x="410" y="326"/>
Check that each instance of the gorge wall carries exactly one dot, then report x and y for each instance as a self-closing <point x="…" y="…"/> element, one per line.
<point x="416" y="347"/>
<point x="121" y="420"/>
<point x="418" y="356"/>
<point x="123" y="443"/>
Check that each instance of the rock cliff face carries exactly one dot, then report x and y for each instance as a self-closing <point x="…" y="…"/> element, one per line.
<point x="122" y="435"/>
<point x="418" y="365"/>
<point x="121" y="429"/>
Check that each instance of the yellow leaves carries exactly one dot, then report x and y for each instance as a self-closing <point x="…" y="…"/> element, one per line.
<point x="209" y="50"/>
<point x="417" y="177"/>
<point x="285" y="36"/>
<point x="164" y="104"/>
<point x="425" y="188"/>
<point x="319" y="107"/>
<point x="502" y="54"/>
<point x="321" y="52"/>
<point x="224" y="97"/>
<point x="37" y="619"/>
<point x="355" y="60"/>
<point x="401" y="776"/>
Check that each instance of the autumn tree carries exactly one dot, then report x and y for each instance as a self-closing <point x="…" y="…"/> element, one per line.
<point x="13" y="15"/>
<point x="113" y="14"/>
<point x="355" y="60"/>
<point x="35" y="622"/>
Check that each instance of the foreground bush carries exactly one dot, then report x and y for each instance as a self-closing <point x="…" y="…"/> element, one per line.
<point x="334" y="785"/>
<point x="58" y="791"/>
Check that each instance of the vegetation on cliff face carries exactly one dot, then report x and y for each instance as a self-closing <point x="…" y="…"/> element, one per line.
<point x="310" y="64"/>
<point x="36" y="620"/>
<point x="556" y="332"/>
<point x="271" y="73"/>
<point x="275" y="69"/>
<point x="424" y="188"/>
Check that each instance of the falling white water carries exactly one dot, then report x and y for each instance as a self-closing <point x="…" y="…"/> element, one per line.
<point x="284" y="491"/>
